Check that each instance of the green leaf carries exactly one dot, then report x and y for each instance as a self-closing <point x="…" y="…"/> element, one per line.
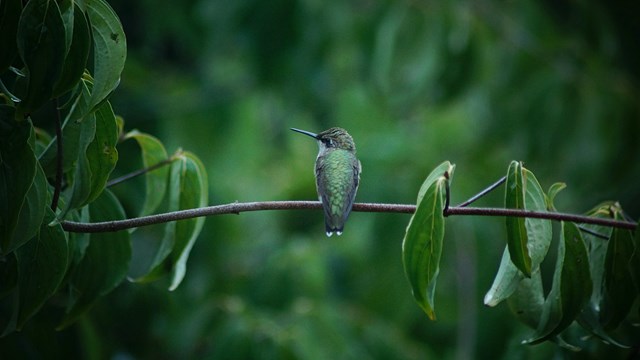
<point x="193" y="194"/>
<point x="109" y="48"/>
<point x="78" y="189"/>
<point x="634" y="264"/>
<point x="517" y="238"/>
<point x="539" y="234"/>
<point x="42" y="264"/>
<point x="153" y="152"/>
<point x="571" y="287"/>
<point x="17" y="173"/>
<point x="551" y="194"/>
<point x="590" y="316"/>
<point x="74" y="134"/>
<point x="9" y="16"/>
<point x="78" y="46"/>
<point x="102" y="154"/>
<point x="33" y="209"/>
<point x="618" y="291"/>
<point x="41" y="45"/>
<point x="422" y="244"/>
<point x="188" y="189"/>
<point x="105" y="261"/>
<point x="527" y="299"/>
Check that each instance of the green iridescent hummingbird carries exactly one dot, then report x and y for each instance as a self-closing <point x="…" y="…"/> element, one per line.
<point x="337" y="175"/>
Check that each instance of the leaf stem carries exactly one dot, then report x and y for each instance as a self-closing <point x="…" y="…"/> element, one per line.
<point x="237" y="208"/>
<point x="484" y="192"/>
<point x="139" y="172"/>
<point x="58" y="181"/>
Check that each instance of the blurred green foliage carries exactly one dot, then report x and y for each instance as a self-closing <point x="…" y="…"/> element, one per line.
<point x="554" y="84"/>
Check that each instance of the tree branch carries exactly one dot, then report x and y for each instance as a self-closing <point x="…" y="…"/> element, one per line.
<point x="237" y="208"/>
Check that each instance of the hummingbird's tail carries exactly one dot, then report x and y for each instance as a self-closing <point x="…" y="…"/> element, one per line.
<point x="333" y="229"/>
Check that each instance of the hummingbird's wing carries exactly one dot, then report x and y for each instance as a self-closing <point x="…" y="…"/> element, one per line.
<point x="337" y="198"/>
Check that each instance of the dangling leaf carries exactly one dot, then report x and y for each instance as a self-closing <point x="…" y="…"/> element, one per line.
<point x="153" y="152"/>
<point x="539" y="235"/>
<point x="105" y="260"/>
<point x="41" y="45"/>
<point x="422" y="244"/>
<point x="571" y="287"/>
<point x="42" y="265"/>
<point x="17" y="174"/>
<point x="109" y="48"/>
<point x="618" y="290"/>
<point x="188" y="189"/>
<point x="517" y="238"/>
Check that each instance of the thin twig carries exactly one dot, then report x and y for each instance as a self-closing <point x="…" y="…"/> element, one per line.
<point x="484" y="192"/>
<point x="236" y="208"/>
<point x="58" y="182"/>
<point x="139" y="172"/>
<point x="594" y="233"/>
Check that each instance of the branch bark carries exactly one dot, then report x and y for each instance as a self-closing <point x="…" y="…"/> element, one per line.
<point x="237" y="208"/>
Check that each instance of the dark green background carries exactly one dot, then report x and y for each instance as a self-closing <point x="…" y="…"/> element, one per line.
<point x="479" y="83"/>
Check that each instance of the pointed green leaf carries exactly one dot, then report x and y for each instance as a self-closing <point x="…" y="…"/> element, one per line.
<point x="539" y="239"/>
<point x="41" y="45"/>
<point x="527" y="299"/>
<point x="105" y="261"/>
<point x="551" y="194"/>
<point x="597" y="248"/>
<point x="634" y="264"/>
<point x="73" y="128"/>
<point x="618" y="290"/>
<point x="109" y="48"/>
<point x="33" y="209"/>
<point x="17" y="174"/>
<point x="517" y="238"/>
<point x="9" y="16"/>
<point x="153" y="152"/>
<point x="193" y="194"/>
<point x="42" y="264"/>
<point x="571" y="287"/>
<point x="422" y="244"/>
<point x="78" y="47"/>
<point x="506" y="281"/>
<point x="102" y="155"/>
<point x="78" y="189"/>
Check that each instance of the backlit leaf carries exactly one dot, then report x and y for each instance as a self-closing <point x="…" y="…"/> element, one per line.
<point x="517" y="238"/>
<point x="571" y="287"/>
<point x="422" y="244"/>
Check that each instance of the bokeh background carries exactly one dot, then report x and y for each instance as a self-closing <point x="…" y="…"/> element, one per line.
<point x="479" y="83"/>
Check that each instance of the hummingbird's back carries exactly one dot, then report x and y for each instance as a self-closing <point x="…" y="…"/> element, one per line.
<point x="337" y="178"/>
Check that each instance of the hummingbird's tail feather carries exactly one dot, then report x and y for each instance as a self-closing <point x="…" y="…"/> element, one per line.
<point x="331" y="229"/>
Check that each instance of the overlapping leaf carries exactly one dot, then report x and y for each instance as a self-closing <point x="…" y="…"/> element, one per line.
<point x="41" y="45"/>
<point x="105" y="261"/>
<point x="517" y="237"/>
<point x="422" y="244"/>
<point x="187" y="189"/>
<point x="538" y="239"/>
<point x="571" y="287"/>
<point x="109" y="48"/>
<point x="42" y="265"/>
<point x="153" y="153"/>
<point x="17" y="173"/>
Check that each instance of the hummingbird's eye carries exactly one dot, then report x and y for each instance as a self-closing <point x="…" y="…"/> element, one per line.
<point x="330" y="143"/>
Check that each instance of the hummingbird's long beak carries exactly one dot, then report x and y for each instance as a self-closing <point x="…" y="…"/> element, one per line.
<point x="309" y="133"/>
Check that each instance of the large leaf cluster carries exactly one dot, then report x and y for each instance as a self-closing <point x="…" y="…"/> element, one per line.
<point x="59" y="63"/>
<point x="595" y="279"/>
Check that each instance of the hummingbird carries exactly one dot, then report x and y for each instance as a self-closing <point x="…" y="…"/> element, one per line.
<point x="337" y="175"/>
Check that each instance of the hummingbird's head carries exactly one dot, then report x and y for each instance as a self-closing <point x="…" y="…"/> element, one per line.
<point x="335" y="137"/>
